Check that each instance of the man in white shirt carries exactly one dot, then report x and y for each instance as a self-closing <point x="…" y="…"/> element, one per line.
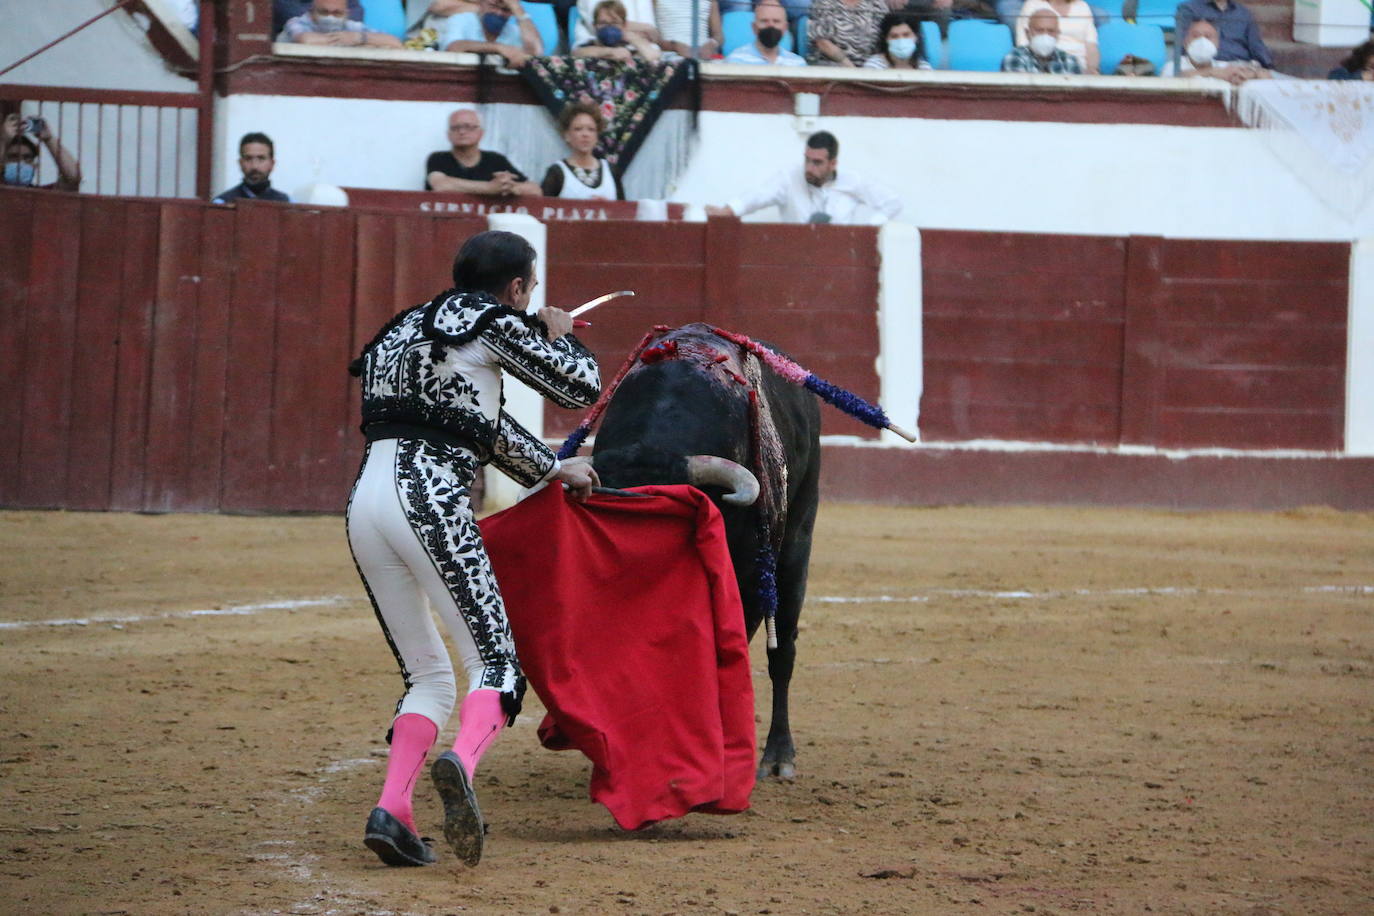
<point x="818" y="193"/>
<point x="770" y="28"/>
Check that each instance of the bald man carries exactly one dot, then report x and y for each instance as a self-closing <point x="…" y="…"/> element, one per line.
<point x="1041" y="53"/>
<point x="1197" y="57"/>
<point x="770" y="29"/>
<point x="469" y="169"/>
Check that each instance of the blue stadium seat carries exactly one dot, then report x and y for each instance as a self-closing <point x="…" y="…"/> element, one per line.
<point x="799" y="29"/>
<point x="934" y="45"/>
<point x="546" y="22"/>
<point x="1117" y="39"/>
<point x="1156" y="12"/>
<point x="385" y="16"/>
<point x="975" y="44"/>
<point x="737" y="28"/>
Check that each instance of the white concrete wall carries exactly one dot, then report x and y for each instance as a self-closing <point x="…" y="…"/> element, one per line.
<point x="1359" y="372"/>
<point x="1092" y="179"/>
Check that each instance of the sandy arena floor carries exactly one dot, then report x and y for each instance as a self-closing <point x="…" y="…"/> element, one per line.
<point x="997" y="711"/>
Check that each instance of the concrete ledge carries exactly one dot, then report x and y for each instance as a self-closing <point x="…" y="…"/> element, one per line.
<point x="934" y="476"/>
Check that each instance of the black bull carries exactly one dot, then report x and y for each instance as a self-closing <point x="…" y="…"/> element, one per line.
<point x="695" y="403"/>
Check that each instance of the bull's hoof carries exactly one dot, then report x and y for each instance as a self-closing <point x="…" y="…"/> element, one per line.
<point x="783" y="770"/>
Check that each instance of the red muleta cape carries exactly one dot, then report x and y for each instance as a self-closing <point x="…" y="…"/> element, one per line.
<point x="628" y="623"/>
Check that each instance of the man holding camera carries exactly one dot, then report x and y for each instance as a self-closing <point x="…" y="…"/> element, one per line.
<point x="21" y="155"/>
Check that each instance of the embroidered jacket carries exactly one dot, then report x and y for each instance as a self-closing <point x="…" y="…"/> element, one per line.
<point x="434" y="372"/>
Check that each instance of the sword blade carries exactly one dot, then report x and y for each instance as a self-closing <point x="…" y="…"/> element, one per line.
<point x="588" y="306"/>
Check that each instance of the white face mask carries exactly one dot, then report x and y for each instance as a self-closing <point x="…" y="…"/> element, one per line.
<point x="1201" y="51"/>
<point x="901" y="48"/>
<point x="330" y="23"/>
<point x="1043" y="44"/>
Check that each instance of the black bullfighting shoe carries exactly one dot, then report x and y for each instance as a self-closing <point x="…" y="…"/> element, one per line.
<point x="394" y="842"/>
<point x="463" y="826"/>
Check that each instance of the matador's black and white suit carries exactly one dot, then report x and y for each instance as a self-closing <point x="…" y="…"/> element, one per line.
<point x="431" y="406"/>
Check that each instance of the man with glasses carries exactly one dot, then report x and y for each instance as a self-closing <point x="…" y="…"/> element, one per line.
<point x="468" y="169"/>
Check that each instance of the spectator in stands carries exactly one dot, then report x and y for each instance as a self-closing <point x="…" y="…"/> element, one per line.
<point x="1238" y="33"/>
<point x="844" y="32"/>
<point x="1041" y="53"/>
<point x="675" y="26"/>
<point x="582" y="175"/>
<point x="899" y="44"/>
<point x="285" y="10"/>
<point x="639" y="18"/>
<point x="613" y="41"/>
<point x="499" y="27"/>
<point x="943" y="12"/>
<point x="770" y="28"/>
<point x="468" y="169"/>
<point x="21" y="155"/>
<point x="257" y="158"/>
<point x="1198" y="58"/>
<point x="327" y="23"/>
<point x="817" y="192"/>
<point x="1077" y="29"/>
<point x="1358" y="66"/>
<point x="427" y="20"/>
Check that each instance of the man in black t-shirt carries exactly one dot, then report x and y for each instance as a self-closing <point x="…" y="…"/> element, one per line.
<point x="470" y="170"/>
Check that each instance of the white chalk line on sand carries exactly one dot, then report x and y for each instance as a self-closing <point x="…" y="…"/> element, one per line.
<point x="1144" y="592"/>
<point x="262" y="607"/>
<point x="236" y="610"/>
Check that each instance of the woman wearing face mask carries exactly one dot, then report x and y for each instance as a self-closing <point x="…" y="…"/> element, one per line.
<point x="612" y="40"/>
<point x="582" y="176"/>
<point x="899" y="45"/>
<point x="21" y="155"/>
<point x="1077" y="30"/>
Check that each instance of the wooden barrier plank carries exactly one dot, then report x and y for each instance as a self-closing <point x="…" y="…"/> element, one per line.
<point x="622" y="243"/>
<point x="375" y="276"/>
<point x="1141" y="381"/>
<point x="772" y="287"/>
<point x="16" y="240"/>
<point x="171" y="401"/>
<point x="1022" y="383"/>
<point x="949" y="420"/>
<point x="1046" y="295"/>
<point x="248" y="465"/>
<point x="1019" y="254"/>
<point x="1255" y="429"/>
<point x="335" y="446"/>
<point x="136" y="297"/>
<point x="1304" y="389"/>
<point x="1214" y="345"/>
<point x="1025" y="340"/>
<point x="657" y="288"/>
<point x="1279" y="262"/>
<point x="811" y="247"/>
<point x="205" y="447"/>
<point x="295" y="379"/>
<point x="100" y="273"/>
<point x="1254" y="303"/>
<point x="51" y="347"/>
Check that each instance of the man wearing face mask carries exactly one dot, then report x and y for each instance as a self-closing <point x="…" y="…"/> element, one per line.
<point x="1199" y="58"/>
<point x="21" y="155"/>
<point x="818" y="192"/>
<point x="498" y="27"/>
<point x="1040" y="54"/>
<point x="1237" y="34"/>
<point x="327" y="23"/>
<point x="256" y="161"/>
<point x="770" y="28"/>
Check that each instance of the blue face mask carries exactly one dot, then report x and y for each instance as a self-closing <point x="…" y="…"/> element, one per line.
<point x="494" y="23"/>
<point x="901" y="48"/>
<point x="610" y="36"/>
<point x="21" y="173"/>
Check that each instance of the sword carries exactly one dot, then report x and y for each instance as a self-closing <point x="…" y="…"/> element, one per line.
<point x="588" y="306"/>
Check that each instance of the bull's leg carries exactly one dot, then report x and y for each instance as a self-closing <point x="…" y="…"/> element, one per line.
<point x="779" y="754"/>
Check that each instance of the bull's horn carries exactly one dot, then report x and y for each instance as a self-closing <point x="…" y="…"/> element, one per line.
<point x="710" y="470"/>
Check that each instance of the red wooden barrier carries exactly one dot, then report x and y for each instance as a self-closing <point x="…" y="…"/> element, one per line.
<point x="478" y="205"/>
<point x="171" y="356"/>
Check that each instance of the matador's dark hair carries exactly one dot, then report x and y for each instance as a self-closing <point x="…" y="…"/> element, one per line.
<point x="488" y="261"/>
<point x="824" y="139"/>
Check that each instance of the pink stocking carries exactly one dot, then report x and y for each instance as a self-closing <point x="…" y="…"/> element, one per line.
<point x="412" y="736"/>
<point x="480" y="721"/>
